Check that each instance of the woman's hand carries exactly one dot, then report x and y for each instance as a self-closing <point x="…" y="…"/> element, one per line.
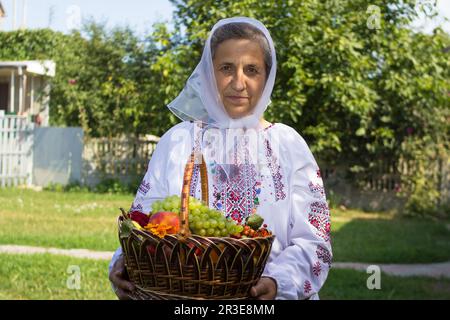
<point x="118" y="277"/>
<point x="265" y="289"/>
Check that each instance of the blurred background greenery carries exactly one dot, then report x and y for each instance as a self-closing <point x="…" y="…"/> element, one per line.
<point x="359" y="84"/>
<point x="361" y="90"/>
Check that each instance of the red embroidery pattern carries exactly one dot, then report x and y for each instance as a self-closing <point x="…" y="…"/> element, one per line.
<point x="275" y="170"/>
<point x="317" y="190"/>
<point x="324" y="255"/>
<point x="316" y="269"/>
<point x="319" y="175"/>
<point x="319" y="217"/>
<point x="307" y="287"/>
<point x="237" y="195"/>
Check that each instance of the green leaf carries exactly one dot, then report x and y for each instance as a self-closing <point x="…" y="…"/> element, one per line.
<point x="126" y="228"/>
<point x="360" y="132"/>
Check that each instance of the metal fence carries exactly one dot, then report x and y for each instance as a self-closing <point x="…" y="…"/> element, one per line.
<point x="38" y="156"/>
<point x="16" y="151"/>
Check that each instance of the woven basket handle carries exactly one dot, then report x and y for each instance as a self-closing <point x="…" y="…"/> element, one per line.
<point x="186" y="190"/>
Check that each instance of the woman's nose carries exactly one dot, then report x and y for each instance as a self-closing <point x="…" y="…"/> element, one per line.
<point x="238" y="82"/>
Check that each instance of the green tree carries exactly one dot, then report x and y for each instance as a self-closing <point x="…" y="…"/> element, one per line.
<point x="110" y="82"/>
<point x="354" y="80"/>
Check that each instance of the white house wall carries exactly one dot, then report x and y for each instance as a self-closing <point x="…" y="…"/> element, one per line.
<point x="36" y="93"/>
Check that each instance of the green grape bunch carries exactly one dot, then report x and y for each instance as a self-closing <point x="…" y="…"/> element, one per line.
<point x="203" y="220"/>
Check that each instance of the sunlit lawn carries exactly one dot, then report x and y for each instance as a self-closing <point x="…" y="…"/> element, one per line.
<point x="44" y="276"/>
<point x="384" y="238"/>
<point x="350" y="284"/>
<point x="88" y="220"/>
<point x="60" y="219"/>
<point x="51" y="277"/>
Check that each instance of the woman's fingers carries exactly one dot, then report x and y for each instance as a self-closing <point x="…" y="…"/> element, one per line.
<point x="122" y="287"/>
<point x="265" y="289"/>
<point x="258" y="289"/>
<point x="119" y="281"/>
<point x="122" y="294"/>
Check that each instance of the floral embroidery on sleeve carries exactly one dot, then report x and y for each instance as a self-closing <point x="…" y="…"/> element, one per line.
<point x="324" y="255"/>
<point x="319" y="217"/>
<point x="316" y="269"/>
<point x="307" y="287"/>
<point x="317" y="190"/>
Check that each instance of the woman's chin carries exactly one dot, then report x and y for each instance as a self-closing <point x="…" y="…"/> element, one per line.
<point x="236" y="112"/>
<point x="238" y="116"/>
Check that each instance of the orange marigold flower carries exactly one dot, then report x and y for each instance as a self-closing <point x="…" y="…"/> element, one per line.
<point x="159" y="230"/>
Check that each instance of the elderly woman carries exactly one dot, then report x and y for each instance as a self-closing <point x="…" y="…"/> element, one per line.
<point x="252" y="164"/>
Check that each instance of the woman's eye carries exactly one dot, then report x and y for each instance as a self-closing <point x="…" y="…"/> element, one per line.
<point x="252" y="70"/>
<point x="225" y="68"/>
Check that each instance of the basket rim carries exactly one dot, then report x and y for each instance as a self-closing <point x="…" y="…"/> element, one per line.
<point x="191" y="236"/>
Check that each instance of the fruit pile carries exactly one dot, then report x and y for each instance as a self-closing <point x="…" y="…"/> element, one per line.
<point x="203" y="221"/>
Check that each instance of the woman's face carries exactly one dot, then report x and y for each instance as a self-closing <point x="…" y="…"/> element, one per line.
<point x="240" y="74"/>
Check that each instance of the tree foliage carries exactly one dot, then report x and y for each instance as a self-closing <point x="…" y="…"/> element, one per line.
<point x="360" y="91"/>
<point x="353" y="79"/>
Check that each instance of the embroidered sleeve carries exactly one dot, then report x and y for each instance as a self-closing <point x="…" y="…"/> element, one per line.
<point x="302" y="267"/>
<point x="153" y="186"/>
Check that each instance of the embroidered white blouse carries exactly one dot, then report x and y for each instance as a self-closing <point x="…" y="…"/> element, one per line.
<point x="287" y="191"/>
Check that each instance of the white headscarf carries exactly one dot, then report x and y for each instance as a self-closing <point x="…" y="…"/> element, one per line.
<point x="200" y="99"/>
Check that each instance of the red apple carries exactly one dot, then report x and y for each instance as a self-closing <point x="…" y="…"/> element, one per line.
<point x="167" y="218"/>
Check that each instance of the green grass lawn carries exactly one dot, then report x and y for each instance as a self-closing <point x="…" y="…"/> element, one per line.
<point x="350" y="284"/>
<point x="60" y="219"/>
<point x="45" y="277"/>
<point x="88" y="220"/>
<point x="384" y="238"/>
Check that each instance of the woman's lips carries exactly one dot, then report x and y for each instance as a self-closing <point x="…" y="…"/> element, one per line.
<point x="237" y="99"/>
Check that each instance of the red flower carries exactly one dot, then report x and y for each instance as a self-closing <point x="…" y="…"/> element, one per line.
<point x="140" y="218"/>
<point x="409" y="131"/>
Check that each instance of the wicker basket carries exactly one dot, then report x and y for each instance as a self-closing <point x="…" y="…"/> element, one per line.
<point x="186" y="266"/>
